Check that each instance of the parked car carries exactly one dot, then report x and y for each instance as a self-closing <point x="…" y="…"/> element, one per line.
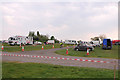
<point x="117" y="43"/>
<point x="83" y="47"/>
<point x="107" y="44"/>
<point x="38" y="43"/>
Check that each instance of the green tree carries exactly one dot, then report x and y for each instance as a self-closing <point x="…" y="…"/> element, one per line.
<point x="43" y="38"/>
<point x="56" y="41"/>
<point x="52" y="38"/>
<point x="31" y="33"/>
<point x="35" y="38"/>
<point x="38" y="34"/>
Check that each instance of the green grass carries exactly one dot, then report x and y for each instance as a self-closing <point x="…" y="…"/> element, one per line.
<point x="98" y="52"/>
<point x="5" y="44"/>
<point x="30" y="47"/>
<point x="39" y="70"/>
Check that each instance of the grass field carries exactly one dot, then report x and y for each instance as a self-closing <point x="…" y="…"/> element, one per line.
<point x="39" y="70"/>
<point x="29" y="47"/>
<point x="98" y="52"/>
<point x="5" y="44"/>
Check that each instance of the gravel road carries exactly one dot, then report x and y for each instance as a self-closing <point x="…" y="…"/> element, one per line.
<point x="51" y="53"/>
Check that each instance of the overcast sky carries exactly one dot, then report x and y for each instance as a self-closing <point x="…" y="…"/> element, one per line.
<point x="64" y="20"/>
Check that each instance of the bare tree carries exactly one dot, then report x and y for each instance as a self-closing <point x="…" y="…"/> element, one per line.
<point x="102" y="36"/>
<point x="95" y="39"/>
<point x="92" y="39"/>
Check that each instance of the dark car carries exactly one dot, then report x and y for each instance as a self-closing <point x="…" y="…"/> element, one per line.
<point x="117" y="43"/>
<point x="83" y="47"/>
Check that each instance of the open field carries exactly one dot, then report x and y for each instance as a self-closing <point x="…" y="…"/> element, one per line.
<point x="8" y="48"/>
<point x="38" y="70"/>
<point x="98" y="52"/>
<point x="5" y="44"/>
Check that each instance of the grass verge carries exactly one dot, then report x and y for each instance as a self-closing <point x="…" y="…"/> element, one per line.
<point x="30" y="47"/>
<point x="39" y="70"/>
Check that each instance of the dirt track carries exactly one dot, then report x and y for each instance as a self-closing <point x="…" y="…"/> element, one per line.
<point x="50" y="53"/>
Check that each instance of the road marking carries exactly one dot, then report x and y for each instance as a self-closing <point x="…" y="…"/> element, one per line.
<point x="55" y="58"/>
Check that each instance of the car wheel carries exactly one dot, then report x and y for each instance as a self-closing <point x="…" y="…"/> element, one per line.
<point x="91" y="49"/>
<point x="77" y="49"/>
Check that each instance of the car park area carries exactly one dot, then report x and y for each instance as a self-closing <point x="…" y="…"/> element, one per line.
<point x="69" y="39"/>
<point x="88" y="56"/>
<point x="98" y="52"/>
<point x="49" y="57"/>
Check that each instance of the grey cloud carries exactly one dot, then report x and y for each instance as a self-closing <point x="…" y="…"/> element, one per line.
<point x="81" y="18"/>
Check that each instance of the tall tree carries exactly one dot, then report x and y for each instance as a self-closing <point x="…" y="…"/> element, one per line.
<point x="52" y="38"/>
<point x="102" y="36"/>
<point x="92" y="39"/>
<point x="38" y="34"/>
<point x="31" y="33"/>
<point x="95" y="39"/>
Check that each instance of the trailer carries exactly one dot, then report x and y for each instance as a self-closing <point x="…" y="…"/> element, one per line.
<point x="71" y="42"/>
<point x="17" y="40"/>
<point x="50" y="42"/>
<point x="97" y="43"/>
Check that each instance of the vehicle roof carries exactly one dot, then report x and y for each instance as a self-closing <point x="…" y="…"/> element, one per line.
<point x="107" y="39"/>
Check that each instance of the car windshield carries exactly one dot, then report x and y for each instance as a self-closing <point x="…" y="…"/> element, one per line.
<point x="88" y="43"/>
<point x="82" y="44"/>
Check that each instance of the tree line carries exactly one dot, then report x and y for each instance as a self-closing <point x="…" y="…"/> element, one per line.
<point x="41" y="37"/>
<point x="102" y="36"/>
<point x="45" y="38"/>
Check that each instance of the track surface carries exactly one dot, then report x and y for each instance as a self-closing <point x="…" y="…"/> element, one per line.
<point x="51" y="53"/>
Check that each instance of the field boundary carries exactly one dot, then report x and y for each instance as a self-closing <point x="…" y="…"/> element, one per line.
<point x="34" y="56"/>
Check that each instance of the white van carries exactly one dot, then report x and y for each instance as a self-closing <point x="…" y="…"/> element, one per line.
<point x="71" y="42"/>
<point x="17" y="40"/>
<point x="50" y="42"/>
<point x="97" y="43"/>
